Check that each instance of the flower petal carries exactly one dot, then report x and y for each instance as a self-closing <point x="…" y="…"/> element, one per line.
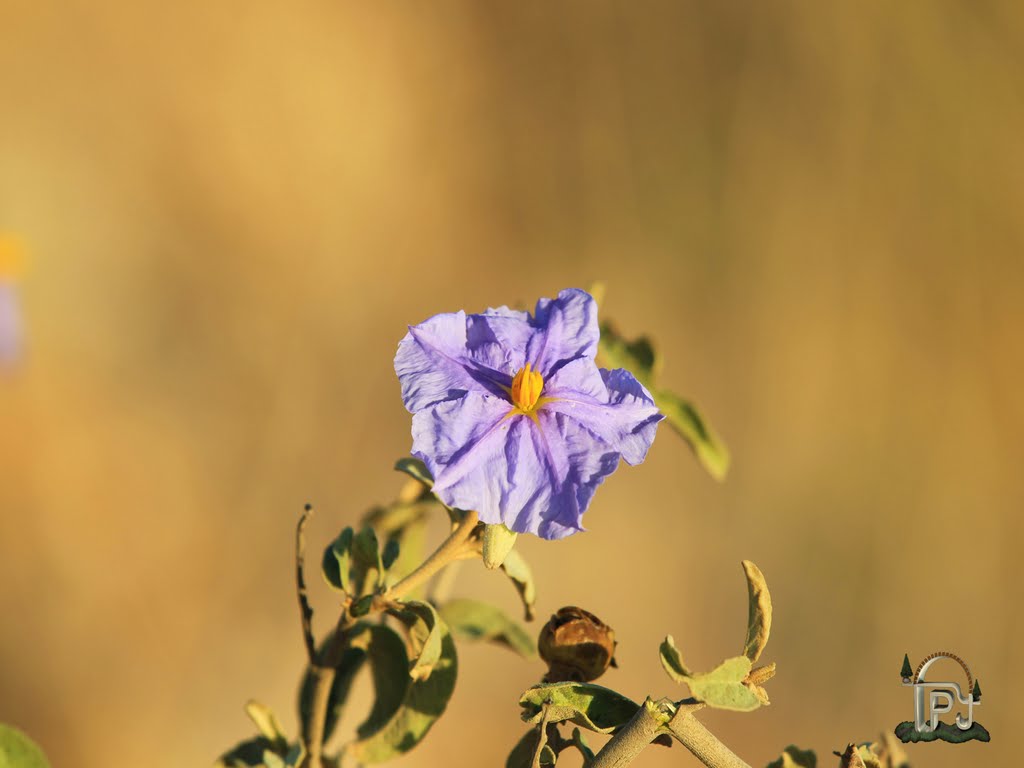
<point x="566" y="329"/>
<point x="435" y="362"/>
<point x="627" y="421"/>
<point x="535" y="477"/>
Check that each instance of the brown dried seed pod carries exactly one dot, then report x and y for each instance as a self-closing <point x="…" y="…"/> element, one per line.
<point x="576" y="645"/>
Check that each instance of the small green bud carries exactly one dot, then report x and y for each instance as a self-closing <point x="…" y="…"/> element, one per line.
<point x="498" y="542"/>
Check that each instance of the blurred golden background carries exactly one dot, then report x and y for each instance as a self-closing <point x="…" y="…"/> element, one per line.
<point x="233" y="210"/>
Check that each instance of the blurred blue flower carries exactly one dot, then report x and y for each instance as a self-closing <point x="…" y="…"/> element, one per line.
<point x="513" y="417"/>
<point x="11" y="259"/>
<point x="10" y="324"/>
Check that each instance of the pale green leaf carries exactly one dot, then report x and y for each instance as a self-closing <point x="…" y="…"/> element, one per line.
<point x="589" y="706"/>
<point x="415" y="469"/>
<point x="478" y="620"/>
<point x="17" y="750"/>
<point x="672" y="661"/>
<point x="366" y="559"/>
<point x="516" y="568"/>
<point x="793" y="757"/>
<point x="405" y="709"/>
<point x="723" y="686"/>
<point x="266" y="723"/>
<point x="337" y="562"/>
<point x="426" y="631"/>
<point x="686" y="420"/>
<point x="759" y="612"/>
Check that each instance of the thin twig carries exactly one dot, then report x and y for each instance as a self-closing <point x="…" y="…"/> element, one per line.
<point x="450" y="549"/>
<point x="542" y="735"/>
<point x="300" y="584"/>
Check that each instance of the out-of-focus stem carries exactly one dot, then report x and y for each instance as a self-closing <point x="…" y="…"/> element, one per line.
<point x="451" y="549"/>
<point x="325" y="666"/>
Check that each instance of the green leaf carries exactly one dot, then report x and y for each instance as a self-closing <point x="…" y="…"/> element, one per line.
<point x="267" y="724"/>
<point x="637" y="356"/>
<point x="640" y="358"/>
<point x="759" y="612"/>
<point x="672" y="661"/>
<point x="351" y="662"/>
<point x="246" y="754"/>
<point x="337" y="562"/>
<point x="415" y="469"/>
<point x="498" y="542"/>
<point x="478" y="620"/>
<point x="522" y="753"/>
<point x="392" y="548"/>
<point x="516" y="568"/>
<point x="17" y="750"/>
<point x="686" y="420"/>
<point x="366" y="560"/>
<point x="589" y="706"/>
<point x="793" y="757"/>
<point x="404" y="709"/>
<point x="426" y="631"/>
<point x="723" y="686"/>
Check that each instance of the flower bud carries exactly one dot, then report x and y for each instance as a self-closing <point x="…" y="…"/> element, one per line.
<point x="576" y="645"/>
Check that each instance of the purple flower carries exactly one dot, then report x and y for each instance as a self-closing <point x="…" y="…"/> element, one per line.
<point x="10" y="324"/>
<point x="513" y="417"/>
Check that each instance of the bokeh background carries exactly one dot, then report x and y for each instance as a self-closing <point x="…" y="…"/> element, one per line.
<point x="234" y="209"/>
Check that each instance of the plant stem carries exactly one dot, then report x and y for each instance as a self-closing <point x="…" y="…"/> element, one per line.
<point x="325" y="666"/>
<point x="705" y="746"/>
<point x="313" y="729"/>
<point x="450" y="550"/>
<point x="652" y="720"/>
<point x="632" y="738"/>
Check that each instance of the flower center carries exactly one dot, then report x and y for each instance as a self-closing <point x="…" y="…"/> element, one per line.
<point x="526" y="387"/>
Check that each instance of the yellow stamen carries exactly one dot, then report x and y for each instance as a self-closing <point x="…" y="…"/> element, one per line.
<point x="526" y="388"/>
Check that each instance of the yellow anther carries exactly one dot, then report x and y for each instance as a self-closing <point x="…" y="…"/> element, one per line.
<point x="526" y="387"/>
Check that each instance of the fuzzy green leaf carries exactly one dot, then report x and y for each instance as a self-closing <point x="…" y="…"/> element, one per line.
<point x="686" y="420"/>
<point x="250" y="753"/>
<point x="640" y="358"/>
<point x="415" y="469"/>
<point x="404" y="709"/>
<point x="516" y="568"/>
<point x="366" y="560"/>
<point x="589" y="706"/>
<point x="478" y="620"/>
<point x="267" y="724"/>
<point x="793" y="757"/>
<point x="351" y="662"/>
<point x="426" y="630"/>
<point x="723" y="686"/>
<point x="337" y="562"/>
<point x="17" y="750"/>
<point x="498" y="541"/>
<point x="759" y="612"/>
<point x="390" y="553"/>
<point x="672" y="661"/>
